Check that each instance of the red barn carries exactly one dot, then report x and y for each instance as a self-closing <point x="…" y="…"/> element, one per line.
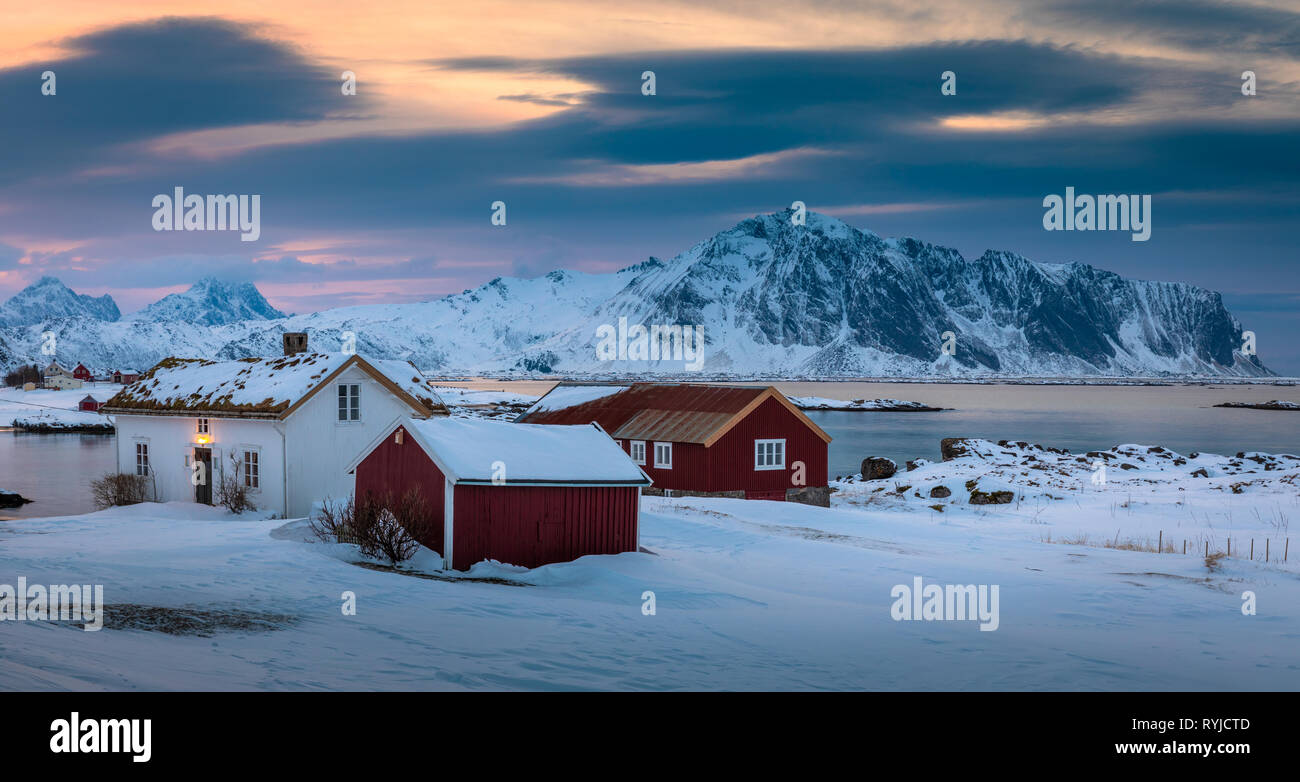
<point x="524" y="495"/>
<point x="81" y="373"/>
<point x="90" y="404"/>
<point x="125" y="376"/>
<point x="695" y="437"/>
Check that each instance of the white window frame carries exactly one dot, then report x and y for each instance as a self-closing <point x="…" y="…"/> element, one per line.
<point x="252" y="478"/>
<point x="349" y="409"/>
<point x="142" y="458"/>
<point x="632" y="451"/>
<point x="761" y="456"/>
<point x="203" y="427"/>
<point x="668" y="465"/>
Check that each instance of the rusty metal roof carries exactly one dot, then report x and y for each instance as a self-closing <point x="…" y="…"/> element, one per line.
<point x="671" y="412"/>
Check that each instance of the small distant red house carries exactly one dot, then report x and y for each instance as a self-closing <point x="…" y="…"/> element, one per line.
<point x="125" y="376"/>
<point x="81" y="373"/>
<point x="697" y="437"/>
<point x="90" y="404"/>
<point x="523" y="495"/>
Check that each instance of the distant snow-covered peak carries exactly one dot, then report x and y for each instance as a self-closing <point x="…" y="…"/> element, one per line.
<point x="49" y="298"/>
<point x="211" y="302"/>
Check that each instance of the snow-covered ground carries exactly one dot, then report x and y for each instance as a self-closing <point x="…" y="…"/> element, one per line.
<point x="53" y="406"/>
<point x="748" y="595"/>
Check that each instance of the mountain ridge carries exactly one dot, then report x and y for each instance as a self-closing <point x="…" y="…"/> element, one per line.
<point x="774" y="299"/>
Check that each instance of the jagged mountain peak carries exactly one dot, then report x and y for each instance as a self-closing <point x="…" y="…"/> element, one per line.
<point x="211" y="302"/>
<point x="49" y="298"/>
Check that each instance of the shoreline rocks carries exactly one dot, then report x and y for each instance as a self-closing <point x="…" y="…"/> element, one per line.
<point x="1275" y="404"/>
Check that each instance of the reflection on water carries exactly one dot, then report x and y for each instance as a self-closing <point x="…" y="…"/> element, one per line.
<point x="54" y="470"/>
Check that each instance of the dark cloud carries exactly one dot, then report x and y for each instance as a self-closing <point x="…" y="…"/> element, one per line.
<point x="146" y="80"/>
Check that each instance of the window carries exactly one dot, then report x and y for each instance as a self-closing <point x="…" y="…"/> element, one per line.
<point x="349" y="402"/>
<point x="252" y="476"/>
<point x="202" y="427"/>
<point x="142" y="458"/>
<point x="664" y="455"/>
<point x="769" y="454"/>
<point x="637" y="451"/>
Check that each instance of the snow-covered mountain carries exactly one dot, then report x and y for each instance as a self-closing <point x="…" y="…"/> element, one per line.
<point x="50" y="298"/>
<point x="773" y="299"/>
<point x="211" y="302"/>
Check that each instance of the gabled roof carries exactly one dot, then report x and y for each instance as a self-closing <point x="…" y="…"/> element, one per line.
<point x="477" y="451"/>
<point x="669" y="412"/>
<point x="270" y="388"/>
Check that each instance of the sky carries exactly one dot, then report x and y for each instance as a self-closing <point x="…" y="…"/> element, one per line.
<point x="386" y="195"/>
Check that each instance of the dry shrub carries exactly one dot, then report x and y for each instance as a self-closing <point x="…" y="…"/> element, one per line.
<point x="231" y="492"/>
<point x="121" y="488"/>
<point x="390" y="526"/>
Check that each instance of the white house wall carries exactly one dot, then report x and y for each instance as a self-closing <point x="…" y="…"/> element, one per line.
<point x="321" y="447"/>
<point x="172" y="439"/>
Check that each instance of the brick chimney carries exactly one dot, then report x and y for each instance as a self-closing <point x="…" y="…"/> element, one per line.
<point x="295" y="342"/>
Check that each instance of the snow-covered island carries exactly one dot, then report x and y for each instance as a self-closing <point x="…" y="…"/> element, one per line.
<point x="746" y="594"/>
<point x="866" y="405"/>
<point x="1276" y="404"/>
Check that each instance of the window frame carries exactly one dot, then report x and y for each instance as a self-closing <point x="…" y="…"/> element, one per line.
<point x="142" y="466"/>
<point x="203" y="426"/>
<point x="760" y="455"/>
<point x="252" y="468"/>
<point x="632" y="449"/>
<point x="668" y="465"/>
<point x="346" y="408"/>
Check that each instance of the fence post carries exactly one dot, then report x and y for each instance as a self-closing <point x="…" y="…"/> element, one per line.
<point x="1252" y="549"/>
<point x="1266" y="542"/>
<point x="1229" y="546"/>
<point x="1160" y="547"/>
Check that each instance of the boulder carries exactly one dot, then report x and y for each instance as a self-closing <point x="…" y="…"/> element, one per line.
<point x="810" y="495"/>
<point x="876" y="467"/>
<point x="978" y="497"/>
<point x="952" y="448"/>
<point x="939" y="492"/>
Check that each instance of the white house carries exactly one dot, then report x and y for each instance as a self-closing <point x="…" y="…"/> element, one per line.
<point x="286" y="427"/>
<point x="61" y="381"/>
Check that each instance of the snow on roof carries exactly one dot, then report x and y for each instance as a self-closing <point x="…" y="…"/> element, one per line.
<point x="254" y="386"/>
<point x="470" y="450"/>
<point x="563" y="396"/>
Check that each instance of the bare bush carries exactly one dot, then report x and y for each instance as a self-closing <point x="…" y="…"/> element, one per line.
<point x="231" y="491"/>
<point x="121" y="488"/>
<point x="389" y="526"/>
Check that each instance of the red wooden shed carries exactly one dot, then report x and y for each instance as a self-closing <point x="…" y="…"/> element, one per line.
<point x="523" y="495"/>
<point x="700" y="437"/>
<point x="90" y="404"/>
<point x="81" y="373"/>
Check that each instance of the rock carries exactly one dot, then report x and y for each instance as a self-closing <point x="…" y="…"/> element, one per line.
<point x="810" y="495"/>
<point x="978" y="497"/>
<point x="1200" y="473"/>
<point x="1127" y="466"/>
<point x="875" y="467"/>
<point x="12" y="499"/>
<point x="953" y="448"/>
<point x="913" y="464"/>
<point x="939" y="492"/>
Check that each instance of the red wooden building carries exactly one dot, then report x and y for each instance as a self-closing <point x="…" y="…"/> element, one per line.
<point x="81" y="373"/>
<point x="698" y="437"/>
<point x="90" y="404"/>
<point x="125" y="376"/>
<point x="523" y="495"/>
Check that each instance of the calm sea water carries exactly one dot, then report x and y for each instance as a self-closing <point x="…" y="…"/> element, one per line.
<point x="55" y="469"/>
